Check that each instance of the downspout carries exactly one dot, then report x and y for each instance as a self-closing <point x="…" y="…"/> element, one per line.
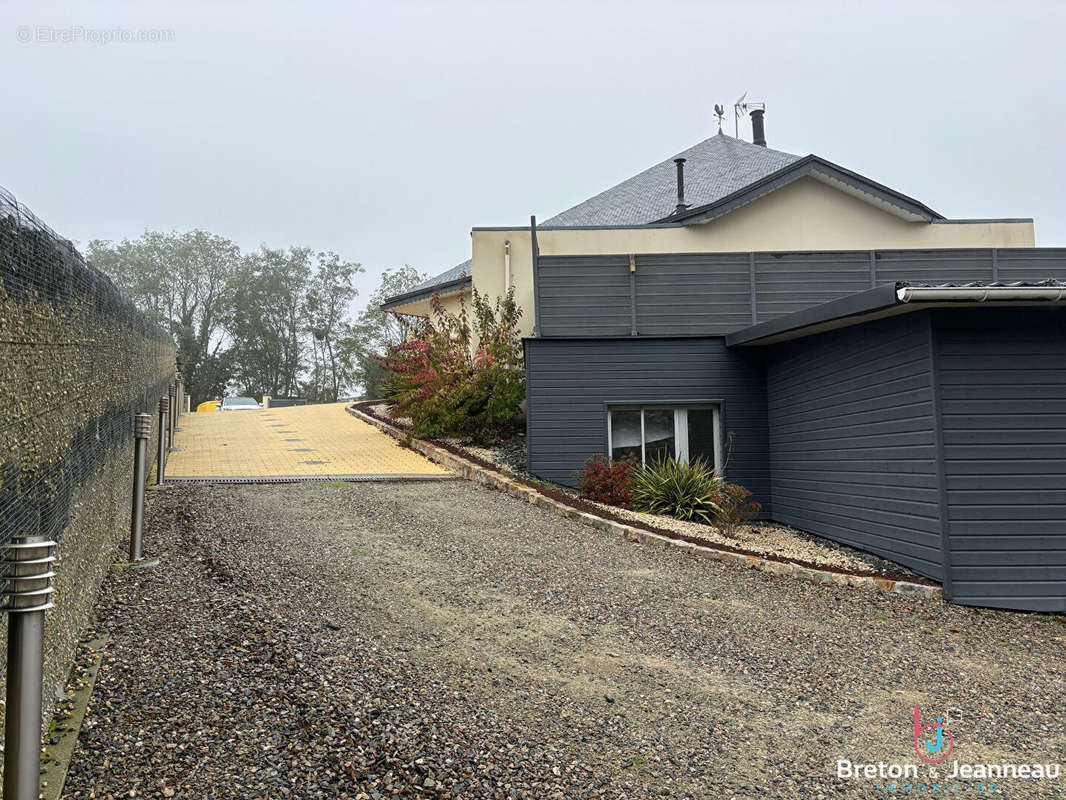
<point x="534" y="246"/>
<point x="980" y="294"/>
<point x="507" y="266"/>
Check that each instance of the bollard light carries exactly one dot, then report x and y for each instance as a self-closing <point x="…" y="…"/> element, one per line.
<point x="172" y="405"/>
<point x="27" y="595"/>
<point x="142" y="428"/>
<point x="161" y="459"/>
<point x="179" y="396"/>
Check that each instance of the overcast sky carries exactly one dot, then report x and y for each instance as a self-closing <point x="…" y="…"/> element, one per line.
<point x="386" y="130"/>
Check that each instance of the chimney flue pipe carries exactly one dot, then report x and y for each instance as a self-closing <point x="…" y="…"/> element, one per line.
<point x="681" y="204"/>
<point x="758" y="130"/>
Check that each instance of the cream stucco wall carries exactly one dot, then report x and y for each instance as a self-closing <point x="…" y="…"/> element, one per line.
<point x="805" y="215"/>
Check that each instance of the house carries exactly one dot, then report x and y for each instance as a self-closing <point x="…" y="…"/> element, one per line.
<point x="726" y="196"/>
<point x="873" y="372"/>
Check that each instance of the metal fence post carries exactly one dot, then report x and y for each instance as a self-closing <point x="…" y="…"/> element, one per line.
<point x="142" y="427"/>
<point x="161" y="458"/>
<point x="26" y="597"/>
<point x="172" y="404"/>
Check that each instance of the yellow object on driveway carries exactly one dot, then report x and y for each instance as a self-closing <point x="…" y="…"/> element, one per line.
<point x="314" y="442"/>
<point x="207" y="405"/>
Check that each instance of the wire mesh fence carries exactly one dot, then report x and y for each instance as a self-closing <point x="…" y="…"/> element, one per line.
<point x="77" y="361"/>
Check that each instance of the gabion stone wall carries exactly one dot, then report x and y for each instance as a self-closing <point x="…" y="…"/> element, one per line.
<point x="77" y="361"/>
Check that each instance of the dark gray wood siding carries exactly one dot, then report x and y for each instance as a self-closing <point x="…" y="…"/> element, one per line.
<point x="705" y="294"/>
<point x="569" y="381"/>
<point x="788" y="282"/>
<point x="566" y="286"/>
<point x="1002" y="377"/>
<point x="852" y="451"/>
<point x="692" y="294"/>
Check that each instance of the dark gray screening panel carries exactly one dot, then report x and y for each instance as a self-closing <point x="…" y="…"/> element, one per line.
<point x="568" y="382"/>
<point x="788" y="282"/>
<point x="851" y="425"/>
<point x="1002" y="380"/>
<point x="692" y="294"/>
<point x="584" y="295"/>
<point x="933" y="266"/>
<point x="1031" y="264"/>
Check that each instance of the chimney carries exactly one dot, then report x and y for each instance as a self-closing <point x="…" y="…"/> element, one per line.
<point x="681" y="204"/>
<point x="758" y="133"/>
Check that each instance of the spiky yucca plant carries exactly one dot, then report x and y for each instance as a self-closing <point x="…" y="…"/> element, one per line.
<point x="685" y="491"/>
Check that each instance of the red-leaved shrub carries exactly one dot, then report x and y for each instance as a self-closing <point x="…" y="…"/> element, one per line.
<point x="735" y="506"/>
<point x="461" y="373"/>
<point x="606" y="481"/>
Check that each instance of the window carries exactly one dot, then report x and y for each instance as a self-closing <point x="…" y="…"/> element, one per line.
<point x="648" y="433"/>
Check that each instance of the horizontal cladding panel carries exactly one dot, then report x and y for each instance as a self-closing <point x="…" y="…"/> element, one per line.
<point x="1032" y="264"/>
<point x="1018" y="601"/>
<point x="1025" y="373"/>
<point x="1003" y="383"/>
<point x="1005" y="419"/>
<point x="989" y="452"/>
<point x="1011" y="436"/>
<point x="569" y="381"/>
<point x="985" y="539"/>
<point x="1019" y="514"/>
<point x="856" y="365"/>
<point x="876" y="536"/>
<point x="1051" y="589"/>
<point x="1031" y="391"/>
<point x="998" y="495"/>
<point x="690" y="288"/>
<point x="923" y="476"/>
<point x="861" y="505"/>
<point x="854" y="408"/>
<point x="874" y="423"/>
<point x="1008" y="558"/>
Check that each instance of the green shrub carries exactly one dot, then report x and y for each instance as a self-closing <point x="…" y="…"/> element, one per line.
<point x="607" y="481"/>
<point x="685" y="491"/>
<point x="459" y="377"/>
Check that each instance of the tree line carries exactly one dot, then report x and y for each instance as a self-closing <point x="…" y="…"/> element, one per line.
<point x="273" y="321"/>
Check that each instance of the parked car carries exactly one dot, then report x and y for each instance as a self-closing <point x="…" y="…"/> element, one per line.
<point x="239" y="404"/>
<point x="208" y="405"/>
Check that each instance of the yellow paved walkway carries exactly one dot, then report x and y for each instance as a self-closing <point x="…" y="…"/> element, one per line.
<point x="298" y="442"/>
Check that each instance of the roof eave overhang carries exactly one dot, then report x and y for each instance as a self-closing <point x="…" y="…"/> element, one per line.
<point x="819" y="169"/>
<point x="889" y="300"/>
<point x="448" y="287"/>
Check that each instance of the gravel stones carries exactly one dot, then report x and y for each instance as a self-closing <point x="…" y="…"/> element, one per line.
<point x="444" y="640"/>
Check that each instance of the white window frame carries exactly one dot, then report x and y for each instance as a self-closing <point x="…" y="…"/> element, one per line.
<point x="680" y="427"/>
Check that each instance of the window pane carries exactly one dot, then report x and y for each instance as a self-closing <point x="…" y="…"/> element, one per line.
<point x="701" y="435"/>
<point x="658" y="434"/>
<point x="625" y="435"/>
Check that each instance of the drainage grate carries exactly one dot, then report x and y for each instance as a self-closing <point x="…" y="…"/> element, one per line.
<point x="206" y="479"/>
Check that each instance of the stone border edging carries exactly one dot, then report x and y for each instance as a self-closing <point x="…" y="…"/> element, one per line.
<point x="494" y="480"/>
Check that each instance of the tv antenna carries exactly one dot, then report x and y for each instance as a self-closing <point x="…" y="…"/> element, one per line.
<point x="719" y="111"/>
<point x="741" y="108"/>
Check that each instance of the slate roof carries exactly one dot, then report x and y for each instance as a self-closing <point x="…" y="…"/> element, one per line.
<point x="714" y="168"/>
<point x="454" y="274"/>
<point x="427" y="287"/>
<point x="721" y="173"/>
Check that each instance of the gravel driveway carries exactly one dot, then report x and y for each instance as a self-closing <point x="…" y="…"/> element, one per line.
<point x="444" y="640"/>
